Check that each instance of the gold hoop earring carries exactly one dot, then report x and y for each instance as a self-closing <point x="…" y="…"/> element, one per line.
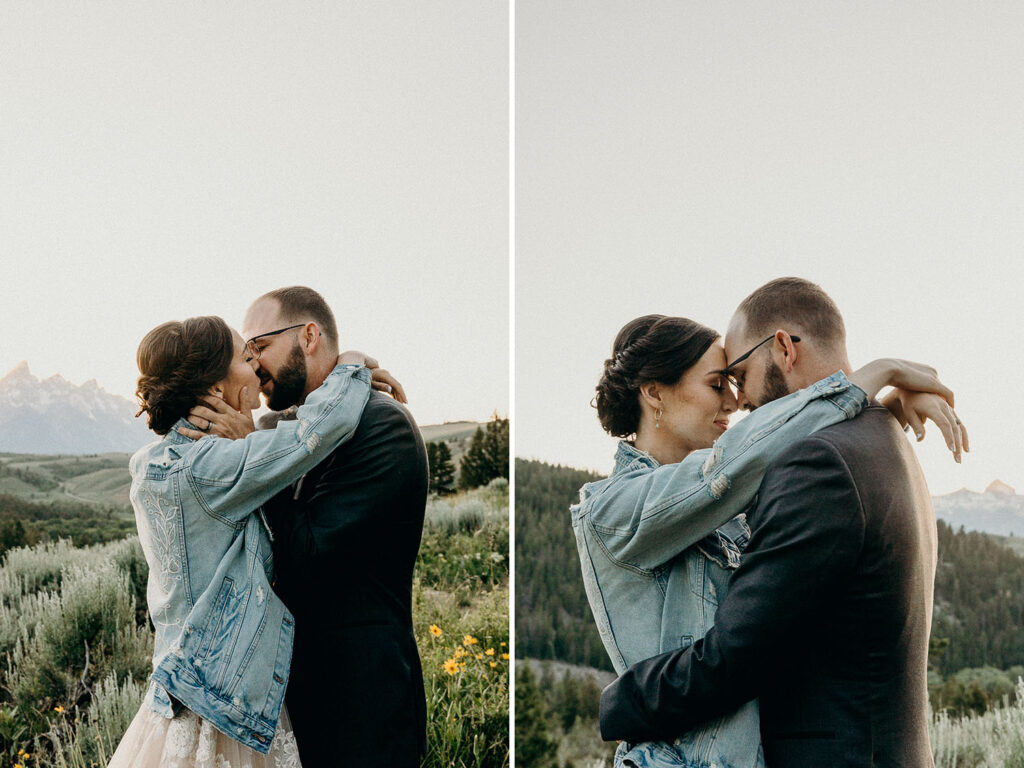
<point x="657" y="419"/>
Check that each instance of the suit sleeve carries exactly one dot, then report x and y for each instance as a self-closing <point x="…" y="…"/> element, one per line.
<point x="807" y="533"/>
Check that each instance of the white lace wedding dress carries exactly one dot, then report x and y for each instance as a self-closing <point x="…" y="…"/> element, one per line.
<point x="187" y="741"/>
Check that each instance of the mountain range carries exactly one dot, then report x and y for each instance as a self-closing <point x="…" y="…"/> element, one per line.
<point x="54" y="416"/>
<point x="999" y="510"/>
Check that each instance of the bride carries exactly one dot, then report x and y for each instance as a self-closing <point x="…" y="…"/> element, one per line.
<point x="223" y="638"/>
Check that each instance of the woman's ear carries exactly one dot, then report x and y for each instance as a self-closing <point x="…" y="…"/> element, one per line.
<point x="217" y="390"/>
<point x="651" y="394"/>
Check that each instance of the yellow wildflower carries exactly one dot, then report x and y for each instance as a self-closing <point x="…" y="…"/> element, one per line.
<point x="493" y="664"/>
<point x="435" y="630"/>
<point x="459" y="653"/>
<point x="469" y="640"/>
<point x="450" y="667"/>
<point x="503" y="643"/>
<point x="478" y="656"/>
<point x="504" y="655"/>
<point x="489" y="651"/>
<point x="58" y="709"/>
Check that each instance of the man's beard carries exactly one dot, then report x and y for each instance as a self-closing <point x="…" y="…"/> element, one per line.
<point x="289" y="383"/>
<point x="774" y="385"/>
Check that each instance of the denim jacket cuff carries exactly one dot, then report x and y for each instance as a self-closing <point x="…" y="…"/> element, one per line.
<point x="846" y="395"/>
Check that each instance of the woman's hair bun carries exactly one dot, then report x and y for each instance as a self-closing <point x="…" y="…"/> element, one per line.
<point x="650" y="348"/>
<point x="179" y="362"/>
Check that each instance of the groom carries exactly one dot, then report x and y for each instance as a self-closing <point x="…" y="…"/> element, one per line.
<point x="827" y="617"/>
<point x="346" y="538"/>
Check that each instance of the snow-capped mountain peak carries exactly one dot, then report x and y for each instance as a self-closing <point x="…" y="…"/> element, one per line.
<point x="998" y="486"/>
<point x="55" y="416"/>
<point x="998" y="510"/>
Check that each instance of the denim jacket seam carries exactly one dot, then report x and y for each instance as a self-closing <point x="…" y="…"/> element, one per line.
<point x="186" y="577"/>
<point x="647" y="573"/>
<point x="244" y="663"/>
<point x="205" y="506"/>
<point x="243" y="611"/>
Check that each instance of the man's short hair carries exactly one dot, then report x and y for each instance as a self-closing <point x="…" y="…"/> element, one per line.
<point x="299" y="304"/>
<point x="793" y="301"/>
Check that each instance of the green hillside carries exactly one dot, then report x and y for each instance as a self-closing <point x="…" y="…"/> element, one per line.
<point x="103" y="478"/>
<point x="979" y="585"/>
<point x="99" y="478"/>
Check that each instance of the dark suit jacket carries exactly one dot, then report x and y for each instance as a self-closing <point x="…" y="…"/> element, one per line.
<point x="346" y="539"/>
<point x="826" y="618"/>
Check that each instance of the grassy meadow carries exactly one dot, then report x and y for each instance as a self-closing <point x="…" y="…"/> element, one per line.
<point x="563" y="723"/>
<point x="77" y="647"/>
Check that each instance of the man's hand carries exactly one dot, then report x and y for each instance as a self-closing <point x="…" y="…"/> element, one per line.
<point x="220" y="419"/>
<point x="381" y="380"/>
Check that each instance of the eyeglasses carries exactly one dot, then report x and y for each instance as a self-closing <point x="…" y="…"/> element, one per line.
<point x="253" y="350"/>
<point x="727" y="371"/>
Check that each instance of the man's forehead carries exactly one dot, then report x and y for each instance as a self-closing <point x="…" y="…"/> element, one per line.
<point x="262" y="317"/>
<point x="736" y="336"/>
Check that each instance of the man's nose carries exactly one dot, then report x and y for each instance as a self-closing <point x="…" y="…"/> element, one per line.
<point x="743" y="403"/>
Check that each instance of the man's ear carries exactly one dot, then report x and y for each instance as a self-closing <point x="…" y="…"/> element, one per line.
<point x="785" y="351"/>
<point x="651" y="394"/>
<point x="310" y="338"/>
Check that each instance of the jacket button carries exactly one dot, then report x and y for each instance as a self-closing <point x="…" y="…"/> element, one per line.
<point x="287" y="621"/>
<point x="278" y="678"/>
<point x="259" y="737"/>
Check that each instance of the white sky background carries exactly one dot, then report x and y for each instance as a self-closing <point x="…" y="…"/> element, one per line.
<point x="672" y="157"/>
<point x="164" y="160"/>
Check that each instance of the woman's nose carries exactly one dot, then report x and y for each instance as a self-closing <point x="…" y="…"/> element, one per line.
<point x="729" y="403"/>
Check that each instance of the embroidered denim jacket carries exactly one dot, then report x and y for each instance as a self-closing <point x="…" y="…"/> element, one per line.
<point x="223" y="638"/>
<point x="657" y="545"/>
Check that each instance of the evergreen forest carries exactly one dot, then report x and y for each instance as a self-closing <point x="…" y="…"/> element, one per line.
<point x="979" y="585"/>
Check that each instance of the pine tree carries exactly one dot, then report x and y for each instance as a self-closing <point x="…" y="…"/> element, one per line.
<point x="442" y="472"/>
<point x="534" y="747"/>
<point x="487" y="457"/>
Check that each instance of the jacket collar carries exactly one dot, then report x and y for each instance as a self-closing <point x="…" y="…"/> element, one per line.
<point x="628" y="456"/>
<point x="174" y="436"/>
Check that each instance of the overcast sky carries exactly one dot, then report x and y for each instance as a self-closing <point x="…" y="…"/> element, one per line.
<point x="165" y="160"/>
<point x="672" y="157"/>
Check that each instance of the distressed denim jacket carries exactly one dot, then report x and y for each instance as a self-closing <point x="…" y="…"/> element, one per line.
<point x="223" y="638"/>
<point x="657" y="545"/>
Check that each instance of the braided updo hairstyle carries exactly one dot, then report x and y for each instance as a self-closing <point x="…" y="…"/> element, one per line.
<point x="180" y="361"/>
<point x="654" y="348"/>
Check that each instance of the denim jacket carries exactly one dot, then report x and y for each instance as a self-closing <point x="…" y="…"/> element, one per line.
<point x="223" y="638"/>
<point x="657" y="545"/>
